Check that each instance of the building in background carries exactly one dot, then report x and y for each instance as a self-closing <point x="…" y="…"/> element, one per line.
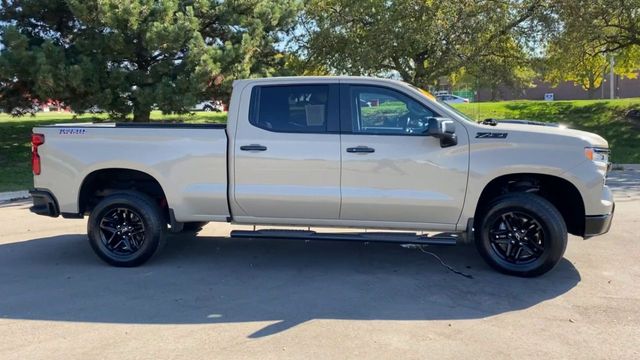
<point x="566" y="90"/>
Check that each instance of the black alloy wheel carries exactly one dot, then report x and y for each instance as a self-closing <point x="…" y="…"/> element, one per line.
<point x="520" y="234"/>
<point x="126" y="229"/>
<point x="122" y="231"/>
<point x="517" y="238"/>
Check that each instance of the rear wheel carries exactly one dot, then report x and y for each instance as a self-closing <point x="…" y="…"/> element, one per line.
<point x="521" y="234"/>
<point x="126" y="229"/>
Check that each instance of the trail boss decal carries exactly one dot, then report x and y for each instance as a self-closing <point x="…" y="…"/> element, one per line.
<point x="72" y="131"/>
<point x="491" y="135"/>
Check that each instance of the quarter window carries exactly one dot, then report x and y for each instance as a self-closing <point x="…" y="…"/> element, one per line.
<point x="299" y="108"/>
<point x="386" y="112"/>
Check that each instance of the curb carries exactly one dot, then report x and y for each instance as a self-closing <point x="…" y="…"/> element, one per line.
<point x="14" y="195"/>
<point x="625" y="167"/>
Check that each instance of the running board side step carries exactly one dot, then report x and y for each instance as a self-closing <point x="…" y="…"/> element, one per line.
<point x="388" y="237"/>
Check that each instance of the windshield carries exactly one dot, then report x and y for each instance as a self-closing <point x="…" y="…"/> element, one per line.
<point x="428" y="95"/>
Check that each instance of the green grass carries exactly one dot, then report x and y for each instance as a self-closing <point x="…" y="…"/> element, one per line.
<point x="599" y="116"/>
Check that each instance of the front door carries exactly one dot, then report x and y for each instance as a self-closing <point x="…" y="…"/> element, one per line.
<point x="287" y="156"/>
<point x="391" y="171"/>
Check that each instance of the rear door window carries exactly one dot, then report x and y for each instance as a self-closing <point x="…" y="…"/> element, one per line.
<point x="291" y="108"/>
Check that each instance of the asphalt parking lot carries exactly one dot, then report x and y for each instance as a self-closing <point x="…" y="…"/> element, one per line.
<point x="214" y="297"/>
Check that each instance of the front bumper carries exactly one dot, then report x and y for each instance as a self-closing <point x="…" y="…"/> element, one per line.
<point x="598" y="224"/>
<point x="44" y="203"/>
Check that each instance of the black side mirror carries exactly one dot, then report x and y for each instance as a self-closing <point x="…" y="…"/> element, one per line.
<point x="443" y="129"/>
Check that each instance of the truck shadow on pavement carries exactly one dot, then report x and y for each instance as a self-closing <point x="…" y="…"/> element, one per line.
<point x="221" y="280"/>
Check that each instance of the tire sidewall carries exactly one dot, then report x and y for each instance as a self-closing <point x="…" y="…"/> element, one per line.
<point x="148" y="212"/>
<point x="550" y="220"/>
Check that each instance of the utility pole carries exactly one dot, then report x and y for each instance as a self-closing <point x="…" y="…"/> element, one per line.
<point x="611" y="78"/>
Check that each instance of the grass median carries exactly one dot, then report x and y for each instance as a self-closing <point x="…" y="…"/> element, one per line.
<point x="604" y="117"/>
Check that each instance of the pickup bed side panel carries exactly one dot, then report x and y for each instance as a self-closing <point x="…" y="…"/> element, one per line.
<point x="189" y="164"/>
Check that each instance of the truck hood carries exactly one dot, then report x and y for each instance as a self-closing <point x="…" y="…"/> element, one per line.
<point x="592" y="139"/>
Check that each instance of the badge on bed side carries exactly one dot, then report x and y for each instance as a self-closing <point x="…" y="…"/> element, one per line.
<point x="72" y="131"/>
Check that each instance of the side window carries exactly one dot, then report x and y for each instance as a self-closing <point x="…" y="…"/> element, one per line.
<point x="296" y="108"/>
<point x="383" y="111"/>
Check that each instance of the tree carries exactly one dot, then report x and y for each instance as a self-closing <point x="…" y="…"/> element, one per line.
<point x="130" y="56"/>
<point x="249" y="33"/>
<point x="572" y="63"/>
<point x="419" y="40"/>
<point x="577" y="58"/>
<point x="509" y="68"/>
<point x="610" y="26"/>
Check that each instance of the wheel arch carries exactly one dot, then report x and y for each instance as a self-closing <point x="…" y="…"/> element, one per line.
<point x="562" y="193"/>
<point x="105" y="181"/>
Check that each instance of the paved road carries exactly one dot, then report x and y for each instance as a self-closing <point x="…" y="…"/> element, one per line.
<point x="212" y="297"/>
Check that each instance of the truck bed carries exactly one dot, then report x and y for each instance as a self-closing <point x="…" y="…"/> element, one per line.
<point x="189" y="161"/>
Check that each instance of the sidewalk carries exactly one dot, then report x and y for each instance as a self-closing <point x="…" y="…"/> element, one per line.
<point x="14" y="195"/>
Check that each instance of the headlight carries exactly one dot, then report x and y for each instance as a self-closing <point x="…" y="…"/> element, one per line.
<point x="599" y="156"/>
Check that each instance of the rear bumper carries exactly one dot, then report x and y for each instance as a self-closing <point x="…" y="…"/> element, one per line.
<point x="44" y="203"/>
<point x="598" y="224"/>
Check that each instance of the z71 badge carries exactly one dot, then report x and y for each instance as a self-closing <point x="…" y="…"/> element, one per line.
<point x="491" y="135"/>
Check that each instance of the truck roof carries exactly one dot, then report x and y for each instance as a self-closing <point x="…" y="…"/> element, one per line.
<point x="289" y="79"/>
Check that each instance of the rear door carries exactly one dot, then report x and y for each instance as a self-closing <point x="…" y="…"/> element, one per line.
<point x="392" y="171"/>
<point x="287" y="155"/>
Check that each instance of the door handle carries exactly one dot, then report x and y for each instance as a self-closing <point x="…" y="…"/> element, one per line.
<point x="360" y="149"/>
<point x="253" y="147"/>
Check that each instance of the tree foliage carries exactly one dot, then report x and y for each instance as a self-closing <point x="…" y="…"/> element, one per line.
<point x="586" y="68"/>
<point x="131" y="56"/>
<point x="510" y="68"/>
<point x="420" y="40"/>
<point x="609" y="25"/>
<point x="589" y="33"/>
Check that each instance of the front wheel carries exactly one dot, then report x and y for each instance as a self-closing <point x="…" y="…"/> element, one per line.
<point x="126" y="229"/>
<point x="521" y="234"/>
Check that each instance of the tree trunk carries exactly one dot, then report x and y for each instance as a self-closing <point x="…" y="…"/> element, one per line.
<point x="141" y="114"/>
<point x="591" y="89"/>
<point x="494" y="93"/>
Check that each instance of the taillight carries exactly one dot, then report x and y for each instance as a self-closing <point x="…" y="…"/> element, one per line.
<point x="36" y="140"/>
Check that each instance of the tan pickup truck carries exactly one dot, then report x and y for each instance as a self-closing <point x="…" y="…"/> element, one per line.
<point x="331" y="152"/>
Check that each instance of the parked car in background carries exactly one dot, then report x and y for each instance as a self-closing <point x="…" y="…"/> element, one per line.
<point x="21" y="111"/>
<point x="452" y="99"/>
<point x="94" y="110"/>
<point x="209" y="105"/>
